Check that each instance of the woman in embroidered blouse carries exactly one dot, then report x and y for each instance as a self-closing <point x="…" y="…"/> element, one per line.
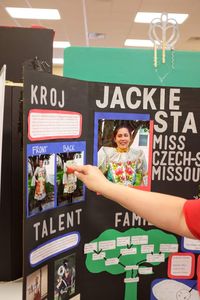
<point x="123" y="164"/>
<point x="39" y="180"/>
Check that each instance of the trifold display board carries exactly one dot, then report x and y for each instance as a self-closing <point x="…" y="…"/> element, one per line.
<point x="79" y="245"/>
<point x="19" y="44"/>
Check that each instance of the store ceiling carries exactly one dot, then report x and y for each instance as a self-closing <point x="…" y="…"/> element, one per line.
<point x="113" y="18"/>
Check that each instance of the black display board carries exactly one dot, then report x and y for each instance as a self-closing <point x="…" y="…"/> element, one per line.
<point x="17" y="46"/>
<point x="11" y="208"/>
<point x="78" y="245"/>
<point x="21" y="44"/>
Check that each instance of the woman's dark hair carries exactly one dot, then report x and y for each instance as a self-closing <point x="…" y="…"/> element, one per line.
<point x="117" y="128"/>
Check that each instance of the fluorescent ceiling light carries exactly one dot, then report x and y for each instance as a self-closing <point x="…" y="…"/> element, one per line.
<point x="33" y="13"/>
<point x="60" y="44"/>
<point x="96" y="36"/>
<point x="147" y="17"/>
<point x="138" y="43"/>
<point x="58" y="61"/>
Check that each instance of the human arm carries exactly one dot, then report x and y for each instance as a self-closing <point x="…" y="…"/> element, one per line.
<point x="102" y="160"/>
<point x="143" y="168"/>
<point x="163" y="211"/>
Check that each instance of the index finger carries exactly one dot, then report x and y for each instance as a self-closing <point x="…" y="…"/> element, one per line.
<point x="80" y="169"/>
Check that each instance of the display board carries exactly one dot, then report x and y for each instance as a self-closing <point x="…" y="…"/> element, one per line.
<point x="11" y="208"/>
<point x="79" y="245"/>
<point x="19" y="44"/>
<point x="132" y="66"/>
<point x="2" y="99"/>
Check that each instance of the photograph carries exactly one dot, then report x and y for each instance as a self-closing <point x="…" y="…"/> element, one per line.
<point x="41" y="176"/>
<point x="123" y="150"/>
<point x="37" y="285"/>
<point x="69" y="188"/>
<point x="65" y="277"/>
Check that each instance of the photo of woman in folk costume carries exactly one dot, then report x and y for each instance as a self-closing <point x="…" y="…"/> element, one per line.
<point x="122" y="163"/>
<point x="39" y="181"/>
<point x="69" y="188"/>
<point x="69" y="179"/>
<point x="65" y="278"/>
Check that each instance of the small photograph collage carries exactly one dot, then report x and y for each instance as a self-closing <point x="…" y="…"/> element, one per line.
<point x="64" y="281"/>
<point x="51" y="181"/>
<point x="122" y="151"/>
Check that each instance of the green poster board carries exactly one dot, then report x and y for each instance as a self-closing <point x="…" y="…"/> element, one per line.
<point x="132" y="66"/>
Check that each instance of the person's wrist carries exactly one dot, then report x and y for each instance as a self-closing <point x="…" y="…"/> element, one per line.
<point x="104" y="187"/>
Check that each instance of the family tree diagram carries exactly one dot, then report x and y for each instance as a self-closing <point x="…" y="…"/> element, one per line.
<point x="133" y="252"/>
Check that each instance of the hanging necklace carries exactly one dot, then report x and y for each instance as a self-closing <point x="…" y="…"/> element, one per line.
<point x="122" y="150"/>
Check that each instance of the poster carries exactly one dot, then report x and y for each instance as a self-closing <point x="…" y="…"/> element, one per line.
<point x="82" y="245"/>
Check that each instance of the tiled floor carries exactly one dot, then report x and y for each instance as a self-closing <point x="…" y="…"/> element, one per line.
<point x="11" y="290"/>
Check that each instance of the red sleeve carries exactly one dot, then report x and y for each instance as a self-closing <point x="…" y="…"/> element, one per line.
<point x="191" y="211"/>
